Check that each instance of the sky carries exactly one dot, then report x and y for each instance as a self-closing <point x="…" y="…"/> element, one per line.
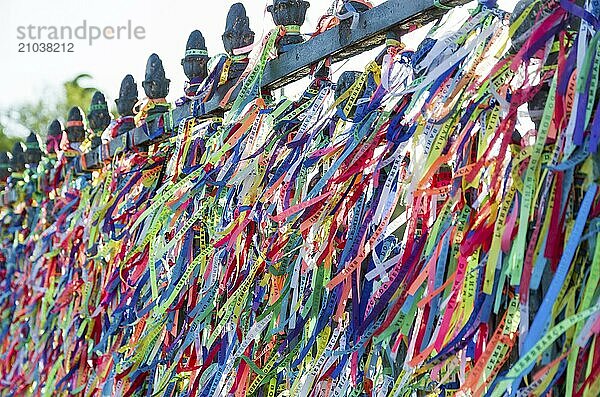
<point x="24" y="76"/>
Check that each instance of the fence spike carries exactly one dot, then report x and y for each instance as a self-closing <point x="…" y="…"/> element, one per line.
<point x="195" y="62"/>
<point x="33" y="154"/>
<point x="290" y="14"/>
<point x="98" y="117"/>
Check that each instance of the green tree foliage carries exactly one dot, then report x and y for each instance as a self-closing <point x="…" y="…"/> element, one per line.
<point x="76" y="94"/>
<point x="6" y="142"/>
<point x="37" y="115"/>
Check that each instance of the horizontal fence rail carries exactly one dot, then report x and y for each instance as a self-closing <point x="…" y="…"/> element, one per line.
<point x="338" y="43"/>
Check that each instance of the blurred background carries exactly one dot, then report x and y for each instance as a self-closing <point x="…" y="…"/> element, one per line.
<point x="39" y="87"/>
